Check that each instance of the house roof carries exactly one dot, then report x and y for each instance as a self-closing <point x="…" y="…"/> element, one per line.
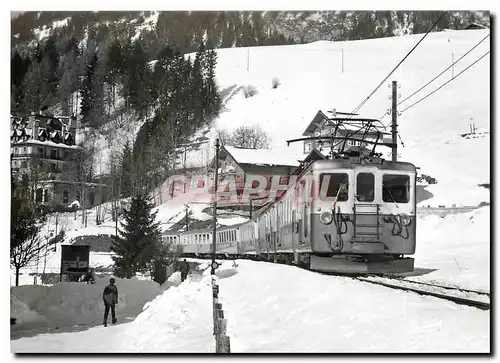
<point x="278" y="157"/>
<point x="348" y="124"/>
<point x="260" y="157"/>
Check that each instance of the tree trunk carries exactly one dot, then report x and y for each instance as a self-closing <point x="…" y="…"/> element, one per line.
<point x="17" y="275"/>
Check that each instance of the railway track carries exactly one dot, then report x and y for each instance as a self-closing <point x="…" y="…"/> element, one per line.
<point x="472" y="298"/>
<point x="461" y="296"/>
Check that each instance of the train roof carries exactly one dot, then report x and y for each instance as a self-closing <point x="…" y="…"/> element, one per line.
<point x="348" y="163"/>
<point x="201" y="230"/>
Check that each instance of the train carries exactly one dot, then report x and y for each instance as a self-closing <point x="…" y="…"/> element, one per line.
<point x="350" y="215"/>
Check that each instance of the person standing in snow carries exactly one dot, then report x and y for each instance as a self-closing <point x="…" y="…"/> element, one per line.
<point x="110" y="298"/>
<point x="184" y="270"/>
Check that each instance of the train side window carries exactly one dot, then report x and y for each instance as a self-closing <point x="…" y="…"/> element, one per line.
<point x="396" y="188"/>
<point x="330" y="183"/>
<point x="365" y="186"/>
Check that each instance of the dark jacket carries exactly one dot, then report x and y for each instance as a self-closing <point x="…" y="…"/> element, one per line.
<point x="185" y="268"/>
<point x="110" y="295"/>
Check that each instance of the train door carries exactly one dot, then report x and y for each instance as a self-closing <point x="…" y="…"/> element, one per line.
<point x="366" y="209"/>
<point x="295" y="236"/>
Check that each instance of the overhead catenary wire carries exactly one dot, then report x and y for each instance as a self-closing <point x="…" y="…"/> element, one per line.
<point x="397" y="66"/>
<point x="440" y="74"/>
<point x="444" y="84"/>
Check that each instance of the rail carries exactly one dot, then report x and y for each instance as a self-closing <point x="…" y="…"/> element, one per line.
<point x="398" y="284"/>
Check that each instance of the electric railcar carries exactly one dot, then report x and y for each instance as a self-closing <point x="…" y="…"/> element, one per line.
<point x="345" y="215"/>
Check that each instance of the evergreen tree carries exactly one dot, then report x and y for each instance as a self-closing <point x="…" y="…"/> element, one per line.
<point x="137" y="79"/>
<point x="19" y="67"/>
<point x="115" y="64"/>
<point x="32" y="88"/>
<point x="139" y="246"/>
<point x="87" y="89"/>
<point x="126" y="171"/>
<point x="212" y="101"/>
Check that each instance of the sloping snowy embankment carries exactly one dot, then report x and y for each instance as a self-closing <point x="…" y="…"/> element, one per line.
<point x="457" y="247"/>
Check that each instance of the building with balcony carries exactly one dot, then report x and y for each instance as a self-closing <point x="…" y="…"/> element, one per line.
<point x="43" y="151"/>
<point x="323" y="125"/>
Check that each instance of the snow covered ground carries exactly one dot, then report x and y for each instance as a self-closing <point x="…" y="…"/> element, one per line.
<point x="69" y="306"/>
<point x="454" y="249"/>
<point x="277" y="308"/>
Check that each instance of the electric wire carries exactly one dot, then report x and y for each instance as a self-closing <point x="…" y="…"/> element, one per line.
<point x="451" y="65"/>
<point x="396" y="67"/>
<point x="444" y="84"/>
<point x="433" y="79"/>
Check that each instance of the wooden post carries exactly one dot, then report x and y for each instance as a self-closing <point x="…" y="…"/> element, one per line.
<point x="222" y="342"/>
<point x="214" y="222"/>
<point x="342" y="59"/>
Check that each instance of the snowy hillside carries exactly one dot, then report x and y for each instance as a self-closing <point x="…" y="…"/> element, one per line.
<point x="311" y="78"/>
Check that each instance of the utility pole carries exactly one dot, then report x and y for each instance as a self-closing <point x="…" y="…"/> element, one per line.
<point x="342" y="59"/>
<point x="248" y="59"/>
<point x="214" y="223"/>
<point x="187" y="216"/>
<point x="394" y="113"/>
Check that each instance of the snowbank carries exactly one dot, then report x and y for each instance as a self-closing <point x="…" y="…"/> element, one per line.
<point x="457" y="247"/>
<point x="65" y="303"/>
<point x="22" y="312"/>
<point x="180" y="312"/>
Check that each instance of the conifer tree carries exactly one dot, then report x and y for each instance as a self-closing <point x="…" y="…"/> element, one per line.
<point x="138" y="246"/>
<point x="126" y="174"/>
<point x="212" y="101"/>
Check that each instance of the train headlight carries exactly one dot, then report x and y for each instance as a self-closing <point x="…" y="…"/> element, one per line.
<point x="405" y="220"/>
<point x="326" y="217"/>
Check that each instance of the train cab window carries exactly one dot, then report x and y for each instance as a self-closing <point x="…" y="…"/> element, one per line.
<point x="332" y="184"/>
<point x="365" y="185"/>
<point x="396" y="188"/>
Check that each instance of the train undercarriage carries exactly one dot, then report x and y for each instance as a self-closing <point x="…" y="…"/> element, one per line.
<point x="335" y="264"/>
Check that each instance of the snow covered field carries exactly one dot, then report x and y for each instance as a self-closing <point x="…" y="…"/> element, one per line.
<point x="277" y="308"/>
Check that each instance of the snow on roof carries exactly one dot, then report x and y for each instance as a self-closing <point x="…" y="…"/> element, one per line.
<point x="51" y="143"/>
<point x="277" y="156"/>
<point x="323" y="115"/>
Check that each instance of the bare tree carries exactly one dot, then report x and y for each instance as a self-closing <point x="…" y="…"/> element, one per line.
<point x="250" y="137"/>
<point x="25" y="244"/>
<point x="224" y="137"/>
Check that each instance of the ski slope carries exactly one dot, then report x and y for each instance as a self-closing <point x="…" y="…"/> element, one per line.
<point x="282" y="309"/>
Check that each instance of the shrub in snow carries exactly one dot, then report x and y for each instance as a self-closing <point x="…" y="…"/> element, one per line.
<point x="276" y="82"/>
<point x="249" y="91"/>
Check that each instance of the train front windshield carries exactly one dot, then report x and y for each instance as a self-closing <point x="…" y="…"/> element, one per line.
<point x="396" y="188"/>
<point x="333" y="184"/>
